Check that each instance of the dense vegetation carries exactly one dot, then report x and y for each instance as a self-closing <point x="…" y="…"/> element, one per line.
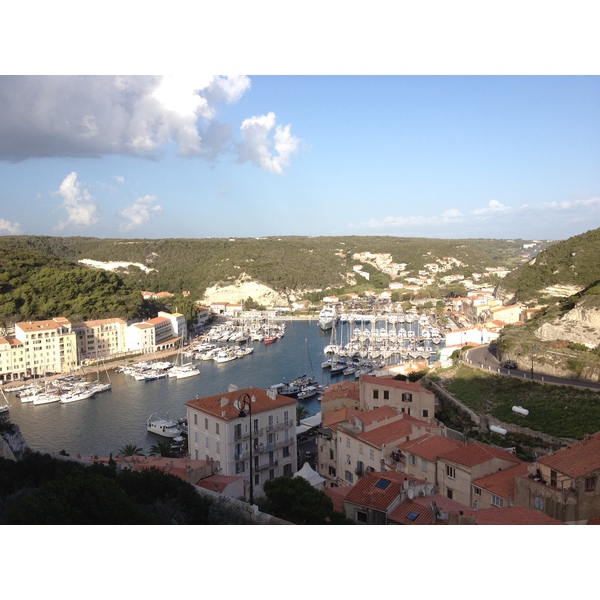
<point x="570" y="262"/>
<point x="288" y="264"/>
<point x="559" y="411"/>
<point x="295" y="500"/>
<point x="40" y="490"/>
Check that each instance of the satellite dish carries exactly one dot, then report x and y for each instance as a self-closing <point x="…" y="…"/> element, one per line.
<point x="411" y="493"/>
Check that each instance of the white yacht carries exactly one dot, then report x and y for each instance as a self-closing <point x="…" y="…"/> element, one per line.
<point x="164" y="427"/>
<point x="327" y="317"/>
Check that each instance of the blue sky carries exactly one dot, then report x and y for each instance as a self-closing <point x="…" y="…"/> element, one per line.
<point x="459" y="134"/>
<point x="426" y="156"/>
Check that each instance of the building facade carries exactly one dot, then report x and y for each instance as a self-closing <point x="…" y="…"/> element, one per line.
<point x="257" y="444"/>
<point x="100" y="338"/>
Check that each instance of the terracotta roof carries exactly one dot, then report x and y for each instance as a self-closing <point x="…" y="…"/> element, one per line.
<point x="44" y="325"/>
<point x="143" y="325"/>
<point x="477" y="453"/>
<point x="576" y="460"/>
<point x="94" y="322"/>
<point x="337" y="495"/>
<point x="502" y="483"/>
<point x="342" y="415"/>
<point x="431" y="446"/>
<point x="396" y="383"/>
<point x="222" y="405"/>
<point x="217" y="483"/>
<point x="419" y="514"/>
<point x="367" y="492"/>
<point x="157" y="320"/>
<point x="343" y="389"/>
<point x="514" y="515"/>
<point x="387" y="434"/>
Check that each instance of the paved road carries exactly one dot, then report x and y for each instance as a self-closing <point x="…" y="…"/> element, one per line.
<point x="484" y="358"/>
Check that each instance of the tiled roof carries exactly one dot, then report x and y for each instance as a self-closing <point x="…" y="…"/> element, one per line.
<point x="43" y="325"/>
<point x="502" y="483"/>
<point x="157" y="320"/>
<point x="217" y="483"/>
<point x="514" y="515"/>
<point x="420" y="515"/>
<point x="396" y="383"/>
<point x="342" y="415"/>
<point x="337" y="495"/>
<point x="222" y="405"/>
<point x="343" y="389"/>
<point x="387" y="434"/>
<point x="477" y="453"/>
<point x="576" y="460"/>
<point x="366" y="491"/>
<point x="431" y="446"/>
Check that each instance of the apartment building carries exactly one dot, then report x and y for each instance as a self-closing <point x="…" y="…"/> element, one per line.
<point x="457" y="470"/>
<point x="141" y="337"/>
<point x="46" y="347"/>
<point x="256" y="442"/>
<point x="565" y="484"/>
<point x="100" y="338"/>
<point x="355" y="442"/>
<point x="407" y="397"/>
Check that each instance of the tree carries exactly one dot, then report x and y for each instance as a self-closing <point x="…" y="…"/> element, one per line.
<point x="162" y="448"/>
<point x="131" y="450"/>
<point x="301" y="413"/>
<point x="295" y="500"/>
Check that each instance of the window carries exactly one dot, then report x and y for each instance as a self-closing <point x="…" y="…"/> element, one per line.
<point x="406" y="397"/>
<point x="286" y="451"/>
<point x="450" y="471"/>
<point x="497" y="501"/>
<point x="206" y="441"/>
<point x="287" y="469"/>
<point x="372" y="454"/>
<point x="206" y="424"/>
<point x="195" y="419"/>
<point x="196" y="437"/>
<point x="386" y="394"/>
<point x="553" y="478"/>
<point x="240" y="467"/>
<point x="590" y="484"/>
<point x="257" y="479"/>
<point x="449" y="493"/>
<point x="271" y="473"/>
<point x="360" y="517"/>
<point x="347" y="442"/>
<point x="424" y="466"/>
<point x="218" y="449"/>
<point x="332" y="471"/>
<point x="425" y="413"/>
<point x="330" y="454"/>
<point x="348" y="461"/>
<point x="348" y="476"/>
<point x="413" y="460"/>
<point x="477" y="491"/>
<point x="360" y="448"/>
<point x="538" y="502"/>
<point x="375" y="394"/>
<point x="217" y="428"/>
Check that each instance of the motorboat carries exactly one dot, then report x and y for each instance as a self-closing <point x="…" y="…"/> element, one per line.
<point x="310" y="391"/>
<point x="327" y="317"/>
<point x="163" y="426"/>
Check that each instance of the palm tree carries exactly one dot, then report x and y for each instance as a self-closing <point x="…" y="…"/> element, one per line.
<point x="162" y="448"/>
<point x="301" y="413"/>
<point x="131" y="450"/>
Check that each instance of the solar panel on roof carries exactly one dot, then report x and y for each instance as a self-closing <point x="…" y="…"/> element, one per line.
<point x="411" y="516"/>
<point x="382" y="484"/>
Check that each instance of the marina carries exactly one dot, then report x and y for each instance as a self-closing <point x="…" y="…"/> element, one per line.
<point x="105" y="422"/>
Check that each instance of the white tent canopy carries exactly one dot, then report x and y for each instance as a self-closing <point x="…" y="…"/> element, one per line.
<point x="311" y="476"/>
<point x="313" y="421"/>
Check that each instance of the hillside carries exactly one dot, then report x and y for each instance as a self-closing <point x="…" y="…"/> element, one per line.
<point x="561" y="270"/>
<point x="290" y="266"/>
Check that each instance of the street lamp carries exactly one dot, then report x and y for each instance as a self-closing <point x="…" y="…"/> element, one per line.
<point x="245" y="404"/>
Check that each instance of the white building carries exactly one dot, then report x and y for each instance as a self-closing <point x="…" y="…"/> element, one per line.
<point x="141" y="338"/>
<point x="263" y="444"/>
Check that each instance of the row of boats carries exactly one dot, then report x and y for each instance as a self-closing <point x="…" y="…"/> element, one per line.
<point x="254" y="331"/>
<point x="151" y="371"/>
<point x="64" y="390"/>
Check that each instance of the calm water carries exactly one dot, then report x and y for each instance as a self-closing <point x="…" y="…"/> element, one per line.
<point x="106" y="422"/>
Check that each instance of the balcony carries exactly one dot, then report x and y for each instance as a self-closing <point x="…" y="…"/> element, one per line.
<point x="278" y="426"/>
<point x="266" y="465"/>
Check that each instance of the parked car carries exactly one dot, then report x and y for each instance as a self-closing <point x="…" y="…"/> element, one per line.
<point x="510" y="364"/>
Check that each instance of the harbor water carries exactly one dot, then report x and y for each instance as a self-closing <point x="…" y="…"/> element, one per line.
<point x="109" y="420"/>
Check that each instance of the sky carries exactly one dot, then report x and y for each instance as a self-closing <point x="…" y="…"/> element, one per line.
<point x="474" y="151"/>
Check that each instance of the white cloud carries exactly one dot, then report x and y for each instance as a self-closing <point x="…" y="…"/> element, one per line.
<point x="99" y="115"/>
<point x="139" y="213"/>
<point x="256" y="143"/>
<point x="492" y="209"/>
<point x="9" y="228"/>
<point x="120" y="179"/>
<point x="82" y="210"/>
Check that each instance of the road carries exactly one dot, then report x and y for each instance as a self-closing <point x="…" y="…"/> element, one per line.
<point x="484" y="358"/>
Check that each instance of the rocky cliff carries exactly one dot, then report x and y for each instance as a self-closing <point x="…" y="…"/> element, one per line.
<point x="12" y="444"/>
